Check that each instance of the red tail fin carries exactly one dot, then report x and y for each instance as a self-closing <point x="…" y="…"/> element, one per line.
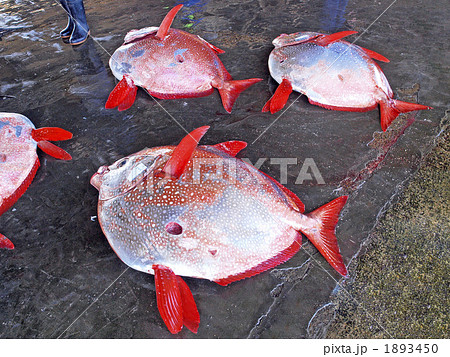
<point x="52" y="134"/>
<point x="53" y="150"/>
<point x="182" y="154"/>
<point x="5" y="242"/>
<point x="165" y="24"/>
<point x="325" y="239"/>
<point x="175" y="301"/>
<point x="390" y="109"/>
<point x="279" y="98"/>
<point x="230" y="91"/>
<point x="123" y="95"/>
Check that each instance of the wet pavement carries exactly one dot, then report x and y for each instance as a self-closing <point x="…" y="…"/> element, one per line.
<point x="62" y="263"/>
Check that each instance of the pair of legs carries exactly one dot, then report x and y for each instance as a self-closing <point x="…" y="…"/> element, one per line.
<point x="77" y="29"/>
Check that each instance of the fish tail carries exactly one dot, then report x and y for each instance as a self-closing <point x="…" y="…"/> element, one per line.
<point x="324" y="236"/>
<point x="175" y="301"/>
<point x="391" y="108"/>
<point x="230" y="91"/>
<point x="279" y="98"/>
<point x="5" y="242"/>
<point x="123" y="94"/>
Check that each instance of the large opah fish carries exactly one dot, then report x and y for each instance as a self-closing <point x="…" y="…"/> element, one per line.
<point x="333" y="74"/>
<point x="170" y="64"/>
<point x="18" y="158"/>
<point x="200" y="212"/>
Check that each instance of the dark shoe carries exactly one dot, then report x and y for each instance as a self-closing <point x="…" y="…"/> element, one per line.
<point x="80" y="32"/>
<point x="70" y="25"/>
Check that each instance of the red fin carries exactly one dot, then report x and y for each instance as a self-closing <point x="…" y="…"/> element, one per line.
<point x="165" y="24"/>
<point x="230" y="91"/>
<point x="281" y="257"/>
<point x="214" y="48"/>
<point x="279" y="98"/>
<point x="191" y="317"/>
<point x="53" y="150"/>
<point x="374" y="55"/>
<point x="296" y="202"/>
<point x="325" y="40"/>
<point x="391" y="108"/>
<point x="9" y="201"/>
<point x="345" y="109"/>
<point x="182" y="154"/>
<point x="168" y="298"/>
<point x="5" y="242"/>
<point x="231" y="148"/>
<point x="128" y="101"/>
<point x="121" y="94"/>
<point x="52" y="134"/>
<point x="325" y="239"/>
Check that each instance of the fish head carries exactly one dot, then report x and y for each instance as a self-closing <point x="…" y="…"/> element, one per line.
<point x="294" y="38"/>
<point x="125" y="174"/>
<point x="18" y="155"/>
<point x="15" y="127"/>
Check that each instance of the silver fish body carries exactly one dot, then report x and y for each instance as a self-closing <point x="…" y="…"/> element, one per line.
<point x="232" y="216"/>
<point x="339" y="75"/>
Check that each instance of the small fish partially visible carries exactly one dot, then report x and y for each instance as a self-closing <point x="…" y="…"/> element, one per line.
<point x="198" y="211"/>
<point x="170" y="64"/>
<point x="18" y="158"/>
<point x="333" y="74"/>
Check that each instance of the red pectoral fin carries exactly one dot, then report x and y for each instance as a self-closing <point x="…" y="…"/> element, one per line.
<point x="52" y="134"/>
<point x="168" y="298"/>
<point x="5" y="242"/>
<point x="279" y="98"/>
<point x="191" y="317"/>
<point x="231" y="148"/>
<point x="175" y="301"/>
<point x="182" y="154"/>
<point x="128" y="101"/>
<point x="122" y="95"/>
<point x="325" y="40"/>
<point x="374" y="55"/>
<point x="165" y="24"/>
<point x="53" y="150"/>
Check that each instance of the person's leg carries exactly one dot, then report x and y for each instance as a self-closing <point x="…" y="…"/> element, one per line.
<point x="80" y="32"/>
<point x="69" y="28"/>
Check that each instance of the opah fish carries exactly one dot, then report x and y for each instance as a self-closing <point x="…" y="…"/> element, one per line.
<point x="18" y="158"/>
<point x="198" y="211"/>
<point x="170" y="64"/>
<point x="333" y="74"/>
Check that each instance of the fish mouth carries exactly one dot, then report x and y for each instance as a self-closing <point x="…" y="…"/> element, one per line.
<point x="96" y="179"/>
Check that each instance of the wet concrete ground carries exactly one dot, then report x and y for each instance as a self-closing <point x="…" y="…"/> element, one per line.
<point x="62" y="263"/>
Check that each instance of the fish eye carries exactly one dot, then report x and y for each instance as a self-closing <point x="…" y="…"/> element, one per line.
<point x="173" y="228"/>
<point x="122" y="163"/>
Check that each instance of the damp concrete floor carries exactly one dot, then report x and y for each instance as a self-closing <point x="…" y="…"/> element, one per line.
<point x="64" y="280"/>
